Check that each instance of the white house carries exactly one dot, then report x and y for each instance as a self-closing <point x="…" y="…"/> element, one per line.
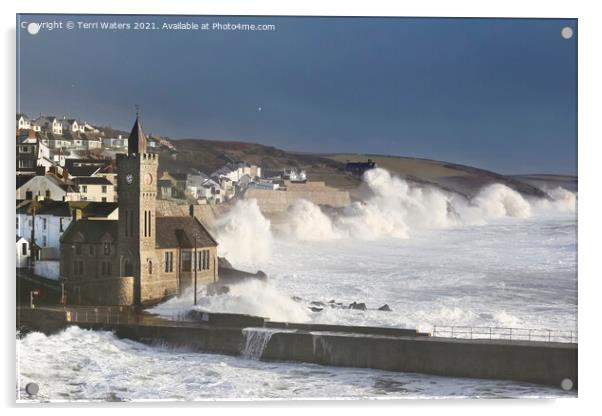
<point x="95" y="188"/>
<point x="23" y="122"/>
<point x="48" y="187"/>
<point x="23" y="251"/>
<point x="235" y="171"/>
<point x="48" y="123"/>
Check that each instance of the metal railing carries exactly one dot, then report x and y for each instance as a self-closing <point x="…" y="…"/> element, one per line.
<point x="520" y="334"/>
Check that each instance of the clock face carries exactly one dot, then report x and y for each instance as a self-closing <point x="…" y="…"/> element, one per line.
<point x="129" y="178"/>
<point x="148" y="179"/>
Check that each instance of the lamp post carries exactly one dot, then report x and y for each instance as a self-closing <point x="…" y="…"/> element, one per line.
<point x="195" y="267"/>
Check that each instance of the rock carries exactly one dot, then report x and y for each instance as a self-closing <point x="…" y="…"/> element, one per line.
<point x="317" y="303"/>
<point x="316" y="309"/>
<point x="296" y="298"/>
<point x="385" y="308"/>
<point x="358" y="306"/>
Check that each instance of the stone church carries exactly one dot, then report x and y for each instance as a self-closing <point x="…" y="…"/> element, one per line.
<point x="140" y="258"/>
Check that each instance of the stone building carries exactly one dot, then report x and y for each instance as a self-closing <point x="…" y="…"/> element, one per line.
<point x="139" y="258"/>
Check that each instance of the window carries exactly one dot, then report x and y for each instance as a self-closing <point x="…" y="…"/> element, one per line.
<point x="48" y="193"/>
<point x="132" y="223"/>
<point x="17" y="223"/>
<point x="78" y="248"/>
<point x="78" y="267"/>
<point x="168" y="261"/>
<point x="24" y="249"/>
<point x="83" y="188"/>
<point x="145" y="223"/>
<point x="106" y="268"/>
<point x="107" y="249"/>
<point x="149" y="223"/>
<point x="44" y="241"/>
<point x="61" y="228"/>
<point x="150" y="267"/>
<point x="104" y="199"/>
<point x="91" y="249"/>
<point x="103" y="189"/>
<point x="207" y="258"/>
<point x="44" y="223"/>
<point x="28" y="195"/>
<point x="186" y="260"/>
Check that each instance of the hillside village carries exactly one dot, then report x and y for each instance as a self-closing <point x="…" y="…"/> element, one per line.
<point x="66" y="170"/>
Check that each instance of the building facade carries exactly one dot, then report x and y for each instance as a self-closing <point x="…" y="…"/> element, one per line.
<point x="139" y="258"/>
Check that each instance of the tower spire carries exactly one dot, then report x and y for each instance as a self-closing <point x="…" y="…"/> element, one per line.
<point x="137" y="138"/>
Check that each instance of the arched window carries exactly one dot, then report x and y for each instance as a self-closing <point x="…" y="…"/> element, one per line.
<point x="127" y="268"/>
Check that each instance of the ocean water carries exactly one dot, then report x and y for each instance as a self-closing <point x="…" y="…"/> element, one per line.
<point x="437" y="260"/>
<point x="83" y="365"/>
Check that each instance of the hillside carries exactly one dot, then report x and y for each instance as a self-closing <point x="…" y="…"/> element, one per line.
<point x="209" y="155"/>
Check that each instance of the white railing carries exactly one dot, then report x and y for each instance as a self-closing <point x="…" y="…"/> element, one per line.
<point x="521" y="334"/>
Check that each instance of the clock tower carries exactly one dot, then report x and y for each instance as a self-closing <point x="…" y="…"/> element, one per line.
<point x="137" y="193"/>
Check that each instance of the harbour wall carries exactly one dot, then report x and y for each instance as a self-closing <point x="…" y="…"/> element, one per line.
<point x="404" y="350"/>
<point x="275" y="201"/>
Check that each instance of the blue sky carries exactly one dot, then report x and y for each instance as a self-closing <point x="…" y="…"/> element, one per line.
<point x="495" y="93"/>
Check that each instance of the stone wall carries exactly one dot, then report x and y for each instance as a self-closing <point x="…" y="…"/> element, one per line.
<point x="109" y="291"/>
<point x="279" y="200"/>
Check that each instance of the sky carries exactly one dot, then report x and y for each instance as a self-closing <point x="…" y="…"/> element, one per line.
<point x="499" y="94"/>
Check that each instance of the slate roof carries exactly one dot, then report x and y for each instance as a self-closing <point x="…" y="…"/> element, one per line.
<point x="92" y="230"/>
<point x="92" y="180"/>
<point x="174" y="232"/>
<point x="88" y="209"/>
<point x="85" y="167"/>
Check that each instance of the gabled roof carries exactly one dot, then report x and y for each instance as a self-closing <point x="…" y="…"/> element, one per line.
<point x="93" y="231"/>
<point x="179" y="232"/>
<point x="66" y="186"/>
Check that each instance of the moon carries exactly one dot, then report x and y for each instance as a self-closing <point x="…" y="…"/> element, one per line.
<point x="258" y="108"/>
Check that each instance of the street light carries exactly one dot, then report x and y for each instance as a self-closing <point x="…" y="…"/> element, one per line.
<point x="195" y="268"/>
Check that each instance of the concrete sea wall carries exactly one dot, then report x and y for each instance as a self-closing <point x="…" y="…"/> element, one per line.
<point x="391" y="349"/>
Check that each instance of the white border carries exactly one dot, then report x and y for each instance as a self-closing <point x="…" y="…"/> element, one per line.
<point x="590" y="207"/>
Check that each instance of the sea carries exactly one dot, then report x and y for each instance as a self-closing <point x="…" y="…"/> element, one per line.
<point x="499" y="263"/>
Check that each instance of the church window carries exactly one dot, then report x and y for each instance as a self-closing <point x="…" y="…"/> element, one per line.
<point x="186" y="260"/>
<point x="169" y="261"/>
